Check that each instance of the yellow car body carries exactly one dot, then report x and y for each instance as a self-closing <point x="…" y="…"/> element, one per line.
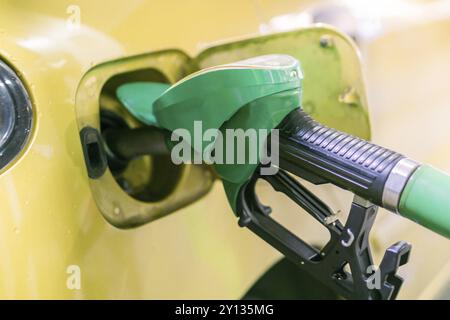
<point x="49" y="220"/>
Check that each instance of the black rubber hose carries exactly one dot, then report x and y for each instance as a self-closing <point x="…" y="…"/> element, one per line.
<point x="127" y="144"/>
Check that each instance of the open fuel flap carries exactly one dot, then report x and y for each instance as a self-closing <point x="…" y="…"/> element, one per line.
<point x="147" y="185"/>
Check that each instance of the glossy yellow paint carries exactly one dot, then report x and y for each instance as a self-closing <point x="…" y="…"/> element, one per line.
<point x="48" y="217"/>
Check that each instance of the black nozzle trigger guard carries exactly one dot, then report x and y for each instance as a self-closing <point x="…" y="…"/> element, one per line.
<point x="348" y="245"/>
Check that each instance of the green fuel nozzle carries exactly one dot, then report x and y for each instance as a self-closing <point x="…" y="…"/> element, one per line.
<point x="264" y="94"/>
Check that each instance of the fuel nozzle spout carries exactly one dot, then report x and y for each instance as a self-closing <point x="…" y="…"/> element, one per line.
<point x="125" y="144"/>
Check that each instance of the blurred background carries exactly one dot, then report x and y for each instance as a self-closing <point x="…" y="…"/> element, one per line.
<point x="405" y="51"/>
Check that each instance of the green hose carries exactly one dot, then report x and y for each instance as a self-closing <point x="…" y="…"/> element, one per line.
<point x="426" y="199"/>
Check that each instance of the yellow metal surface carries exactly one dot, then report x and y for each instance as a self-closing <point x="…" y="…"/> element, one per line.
<point x="48" y="218"/>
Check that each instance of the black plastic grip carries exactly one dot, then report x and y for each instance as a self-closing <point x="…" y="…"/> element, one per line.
<point x="324" y="155"/>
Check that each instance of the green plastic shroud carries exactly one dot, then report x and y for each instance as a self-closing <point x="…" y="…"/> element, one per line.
<point x="426" y="199"/>
<point x="138" y="98"/>
<point x="251" y="94"/>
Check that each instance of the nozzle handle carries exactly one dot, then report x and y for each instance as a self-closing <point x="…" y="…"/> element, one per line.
<point x="386" y="178"/>
<point x="324" y="155"/>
